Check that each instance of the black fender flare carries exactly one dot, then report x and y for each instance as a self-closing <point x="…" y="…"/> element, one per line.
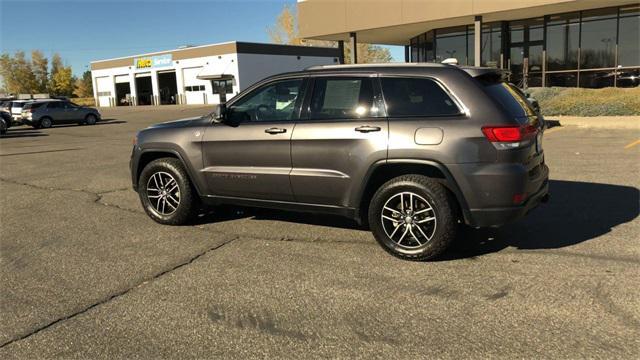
<point x="449" y="181"/>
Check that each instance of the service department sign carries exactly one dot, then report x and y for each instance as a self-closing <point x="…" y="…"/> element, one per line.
<point x="152" y="61"/>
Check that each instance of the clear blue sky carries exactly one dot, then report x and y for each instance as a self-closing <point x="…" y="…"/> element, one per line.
<point x="82" y="31"/>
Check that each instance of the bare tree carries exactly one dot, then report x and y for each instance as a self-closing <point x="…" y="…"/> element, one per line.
<point x="286" y="31"/>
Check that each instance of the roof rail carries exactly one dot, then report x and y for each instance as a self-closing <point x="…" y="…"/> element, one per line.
<point x="343" y="66"/>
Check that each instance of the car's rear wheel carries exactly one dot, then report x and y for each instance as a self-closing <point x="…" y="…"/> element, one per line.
<point x="166" y="192"/>
<point x="3" y="127"/>
<point x="90" y="119"/>
<point x="412" y="217"/>
<point x="45" y="123"/>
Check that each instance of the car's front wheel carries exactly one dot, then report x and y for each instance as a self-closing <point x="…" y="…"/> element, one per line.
<point x="90" y="119"/>
<point x="412" y="217"/>
<point x="166" y="192"/>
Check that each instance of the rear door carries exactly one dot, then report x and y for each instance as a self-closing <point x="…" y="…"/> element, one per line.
<point x="342" y="133"/>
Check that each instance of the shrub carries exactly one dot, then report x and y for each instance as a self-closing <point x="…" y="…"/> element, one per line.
<point x="587" y="102"/>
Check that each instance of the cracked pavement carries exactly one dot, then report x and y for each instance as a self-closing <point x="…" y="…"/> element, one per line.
<point x="85" y="274"/>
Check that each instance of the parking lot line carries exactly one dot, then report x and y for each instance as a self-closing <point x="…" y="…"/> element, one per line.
<point x="629" y="146"/>
<point x="552" y="130"/>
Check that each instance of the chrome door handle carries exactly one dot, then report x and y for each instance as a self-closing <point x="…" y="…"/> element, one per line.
<point x="367" y="129"/>
<point x="274" y="130"/>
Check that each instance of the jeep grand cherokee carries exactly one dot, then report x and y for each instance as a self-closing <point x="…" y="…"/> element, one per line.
<point x="412" y="150"/>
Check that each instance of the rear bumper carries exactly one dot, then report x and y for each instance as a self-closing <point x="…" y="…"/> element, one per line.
<point x="500" y="216"/>
<point x="489" y="189"/>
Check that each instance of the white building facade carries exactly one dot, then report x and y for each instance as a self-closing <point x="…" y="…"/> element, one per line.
<point x="205" y="74"/>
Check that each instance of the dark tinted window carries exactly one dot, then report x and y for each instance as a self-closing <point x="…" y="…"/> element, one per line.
<point x="629" y="46"/>
<point x="416" y="97"/>
<point x="598" y="41"/>
<point x="343" y="98"/>
<point x="55" y="105"/>
<point x="34" y="105"/>
<point x="272" y="102"/>
<point x="508" y="96"/>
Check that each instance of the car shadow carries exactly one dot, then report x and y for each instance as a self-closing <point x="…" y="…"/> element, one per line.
<point x="101" y="122"/>
<point x="577" y="212"/>
<point x="21" y="133"/>
<point x="230" y="213"/>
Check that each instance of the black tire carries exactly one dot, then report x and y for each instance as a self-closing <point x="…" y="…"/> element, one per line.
<point x="442" y="231"/>
<point x="3" y="127"/>
<point x="188" y="198"/>
<point x="45" y="123"/>
<point x="90" y="119"/>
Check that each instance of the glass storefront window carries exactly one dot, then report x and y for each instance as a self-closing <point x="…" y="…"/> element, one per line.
<point x="596" y="79"/>
<point x="516" y="33"/>
<point x="563" y="36"/>
<point x="414" y="50"/>
<point x="451" y="43"/>
<point x="471" y="49"/>
<point x="598" y="39"/>
<point x="568" y="79"/>
<point x="628" y="42"/>
<point x="491" y="45"/>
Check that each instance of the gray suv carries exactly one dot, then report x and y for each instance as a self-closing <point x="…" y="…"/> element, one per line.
<point x="413" y="151"/>
<point x="46" y="113"/>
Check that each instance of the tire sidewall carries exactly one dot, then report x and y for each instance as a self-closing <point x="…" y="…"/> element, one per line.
<point x="441" y="209"/>
<point x="43" y="123"/>
<point x="183" y="212"/>
<point x="90" y="119"/>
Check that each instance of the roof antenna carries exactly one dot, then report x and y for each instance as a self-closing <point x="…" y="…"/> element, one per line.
<point x="450" y="61"/>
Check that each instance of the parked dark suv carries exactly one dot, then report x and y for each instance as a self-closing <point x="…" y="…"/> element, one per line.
<point x="46" y="113"/>
<point x="411" y="150"/>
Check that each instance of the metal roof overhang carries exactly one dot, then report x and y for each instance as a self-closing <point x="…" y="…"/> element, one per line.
<point x="396" y="22"/>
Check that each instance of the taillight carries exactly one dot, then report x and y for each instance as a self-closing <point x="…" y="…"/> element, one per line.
<point x="509" y="137"/>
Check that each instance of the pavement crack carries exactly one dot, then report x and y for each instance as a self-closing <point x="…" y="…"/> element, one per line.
<point x="118" y="294"/>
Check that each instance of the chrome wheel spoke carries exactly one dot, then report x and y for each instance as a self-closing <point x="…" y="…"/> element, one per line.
<point x="392" y="210"/>
<point x="423" y="234"/>
<point x="403" y="210"/>
<point x="163" y="193"/>
<point x="414" y="235"/>
<point x="423" y="211"/>
<point x="406" y="230"/>
<point x="390" y="219"/>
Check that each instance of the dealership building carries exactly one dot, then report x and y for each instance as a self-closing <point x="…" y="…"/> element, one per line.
<point x="205" y="74"/>
<point x="569" y="43"/>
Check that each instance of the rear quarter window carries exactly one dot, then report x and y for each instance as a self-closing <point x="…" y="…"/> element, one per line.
<point x="509" y="97"/>
<point x="417" y="97"/>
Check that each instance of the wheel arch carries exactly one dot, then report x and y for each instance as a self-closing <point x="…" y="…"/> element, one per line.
<point x="149" y="155"/>
<point x="383" y="171"/>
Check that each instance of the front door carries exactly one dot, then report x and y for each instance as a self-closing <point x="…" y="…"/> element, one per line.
<point x="249" y="155"/>
<point x="343" y="132"/>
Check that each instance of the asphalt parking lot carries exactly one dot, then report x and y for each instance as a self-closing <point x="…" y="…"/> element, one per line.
<point x="84" y="273"/>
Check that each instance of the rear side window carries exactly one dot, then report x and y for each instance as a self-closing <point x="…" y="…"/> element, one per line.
<point x="55" y="105"/>
<point x="33" y="105"/>
<point x="508" y="96"/>
<point x="416" y="97"/>
<point x="343" y="98"/>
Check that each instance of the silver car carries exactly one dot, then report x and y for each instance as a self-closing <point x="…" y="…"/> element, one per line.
<point x="46" y="113"/>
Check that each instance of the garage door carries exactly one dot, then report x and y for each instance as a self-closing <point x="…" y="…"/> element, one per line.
<point x="104" y="90"/>
<point x="194" y="88"/>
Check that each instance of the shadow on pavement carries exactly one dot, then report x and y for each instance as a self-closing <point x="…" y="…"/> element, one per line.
<point x="577" y="212"/>
<point x="101" y="122"/>
<point x="20" y="133"/>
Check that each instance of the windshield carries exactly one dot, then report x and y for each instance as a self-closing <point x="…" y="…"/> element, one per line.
<point x="511" y="98"/>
